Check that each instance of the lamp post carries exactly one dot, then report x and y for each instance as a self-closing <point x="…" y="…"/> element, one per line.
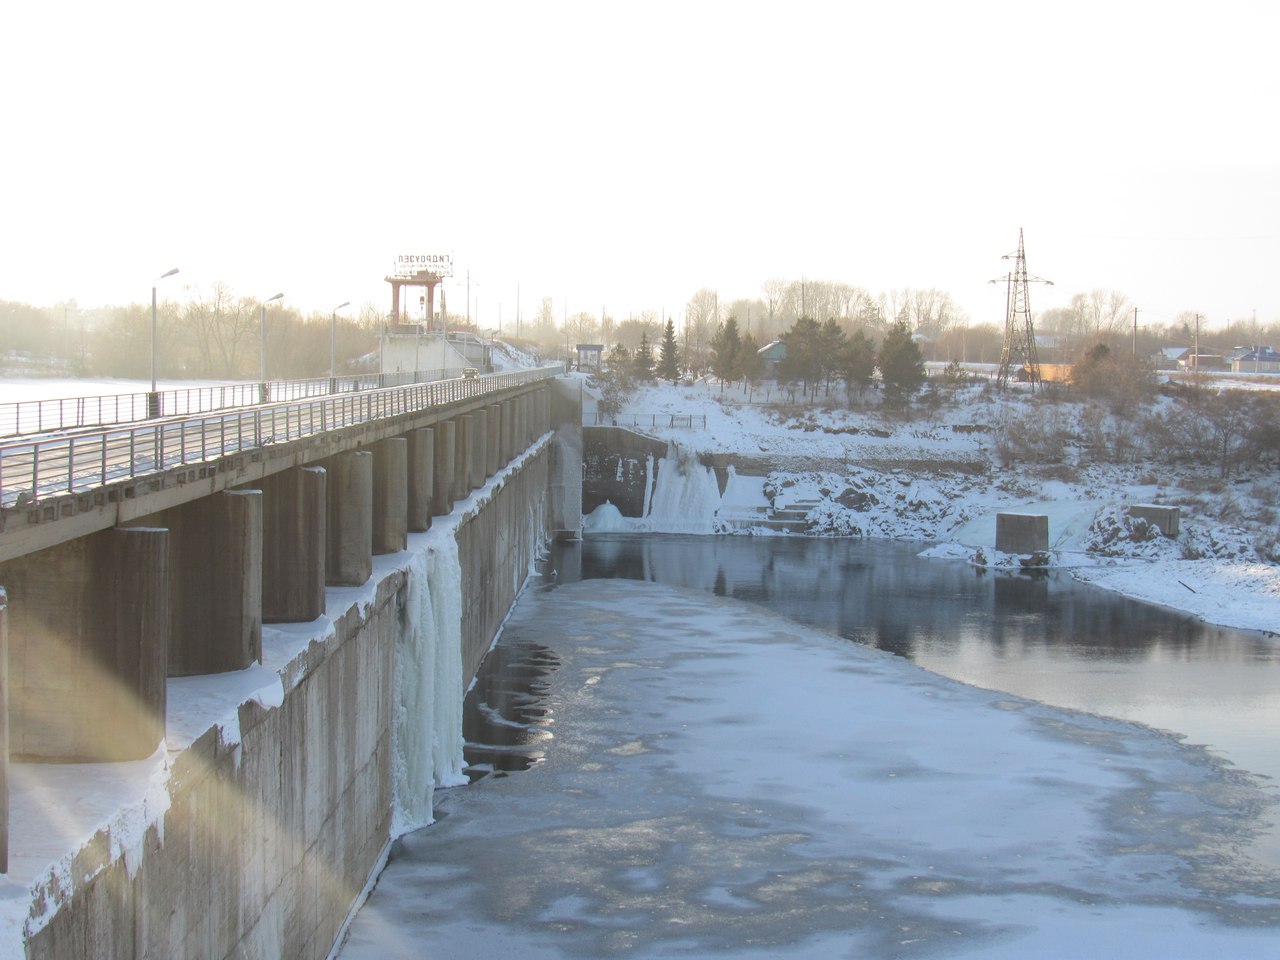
<point x="262" y="334"/>
<point x="333" y="346"/>
<point x="153" y="398"/>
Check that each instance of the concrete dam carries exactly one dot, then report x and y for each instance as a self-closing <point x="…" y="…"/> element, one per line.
<point x="258" y="651"/>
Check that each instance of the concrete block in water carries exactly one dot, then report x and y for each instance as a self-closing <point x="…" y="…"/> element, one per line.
<point x="1022" y="532"/>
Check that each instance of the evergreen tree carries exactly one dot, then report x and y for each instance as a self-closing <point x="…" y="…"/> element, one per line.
<point x="901" y="365"/>
<point x="724" y="351"/>
<point x="642" y="359"/>
<point x="858" y="363"/>
<point x="669" y="354"/>
<point x="804" y="353"/>
<point x="750" y="365"/>
<point x="614" y="383"/>
<point x="831" y="343"/>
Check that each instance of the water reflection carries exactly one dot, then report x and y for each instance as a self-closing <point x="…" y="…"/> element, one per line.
<point x="505" y="716"/>
<point x="1047" y="637"/>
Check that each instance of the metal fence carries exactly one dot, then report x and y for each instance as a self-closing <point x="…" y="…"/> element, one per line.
<point x="689" y="421"/>
<point x="33" y="469"/>
<point x="28" y="417"/>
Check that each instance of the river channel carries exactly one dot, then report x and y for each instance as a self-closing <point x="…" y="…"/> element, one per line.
<point x="1049" y="637"/>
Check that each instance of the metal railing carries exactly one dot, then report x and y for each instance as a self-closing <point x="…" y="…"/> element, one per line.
<point x="34" y="469"/>
<point x="688" y="421"/>
<point x="28" y="417"/>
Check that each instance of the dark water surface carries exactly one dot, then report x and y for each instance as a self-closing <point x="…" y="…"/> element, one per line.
<point x="1049" y="638"/>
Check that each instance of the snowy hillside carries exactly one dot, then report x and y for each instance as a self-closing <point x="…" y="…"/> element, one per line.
<point x="944" y="473"/>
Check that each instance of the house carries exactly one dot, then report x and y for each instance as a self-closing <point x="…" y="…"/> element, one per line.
<point x="1256" y="360"/>
<point x="772" y="354"/>
<point x="1171" y="358"/>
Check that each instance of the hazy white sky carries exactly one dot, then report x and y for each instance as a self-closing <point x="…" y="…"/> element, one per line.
<point x="624" y="156"/>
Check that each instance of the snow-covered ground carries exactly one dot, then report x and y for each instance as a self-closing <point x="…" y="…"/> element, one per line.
<point x="938" y="477"/>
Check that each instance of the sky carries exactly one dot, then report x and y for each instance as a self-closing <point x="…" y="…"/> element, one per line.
<point x="620" y="159"/>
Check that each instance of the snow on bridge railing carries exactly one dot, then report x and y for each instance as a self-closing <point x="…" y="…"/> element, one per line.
<point x="31" y="470"/>
<point x="27" y="417"/>
<point x="688" y="421"/>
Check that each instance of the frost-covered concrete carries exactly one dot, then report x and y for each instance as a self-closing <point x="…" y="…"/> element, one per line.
<point x="721" y="782"/>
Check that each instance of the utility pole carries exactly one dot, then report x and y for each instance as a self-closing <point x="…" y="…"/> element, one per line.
<point x="1135" y="333"/>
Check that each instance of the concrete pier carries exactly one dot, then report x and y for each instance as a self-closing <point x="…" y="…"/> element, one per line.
<point x="89" y="647"/>
<point x="215" y="595"/>
<point x="463" y="457"/>
<point x="479" y="448"/>
<point x="421" y="455"/>
<point x="294" y="515"/>
<point x="443" y="467"/>
<point x="349" y="519"/>
<point x="390" y="495"/>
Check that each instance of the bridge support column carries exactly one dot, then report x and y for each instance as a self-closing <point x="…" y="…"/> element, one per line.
<point x="463" y="458"/>
<point x="348" y="548"/>
<point x="215" y="595"/>
<point x="443" y="467"/>
<point x="293" y="545"/>
<point x="479" y="447"/>
<point x="390" y="495"/>
<point x="421" y="455"/>
<point x="493" y="453"/>
<point x="89" y="637"/>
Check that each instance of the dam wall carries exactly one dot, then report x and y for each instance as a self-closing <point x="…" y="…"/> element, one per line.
<point x="261" y="833"/>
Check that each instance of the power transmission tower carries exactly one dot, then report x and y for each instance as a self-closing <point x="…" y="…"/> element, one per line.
<point x="1019" y="334"/>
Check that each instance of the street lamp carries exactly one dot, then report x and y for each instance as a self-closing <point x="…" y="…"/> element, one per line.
<point x="262" y="334"/>
<point x="153" y="398"/>
<point x="333" y="345"/>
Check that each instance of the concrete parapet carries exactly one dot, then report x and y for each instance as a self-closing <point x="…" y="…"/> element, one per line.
<point x="294" y="514"/>
<point x="390" y="495"/>
<point x="421" y="455"/>
<point x="1021" y="532"/>
<point x="89" y="636"/>
<point x="443" y="468"/>
<point x="215" y="595"/>
<point x="1165" y="519"/>
<point x="349" y="519"/>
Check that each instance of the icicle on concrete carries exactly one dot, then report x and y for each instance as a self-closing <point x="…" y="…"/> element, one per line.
<point x="428" y="738"/>
<point x="414" y="718"/>
<point x="446" y="603"/>
<point x="686" y="495"/>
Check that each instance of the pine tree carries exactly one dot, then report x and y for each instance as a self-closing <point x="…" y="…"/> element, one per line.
<point x="901" y="365"/>
<point x="642" y="359"/>
<point x="724" y="350"/>
<point x="669" y="355"/>
<point x="858" y="363"/>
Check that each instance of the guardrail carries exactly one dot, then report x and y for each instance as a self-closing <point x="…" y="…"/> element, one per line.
<point x="27" y="417"/>
<point x="34" y="469"/>
<point x="690" y="421"/>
